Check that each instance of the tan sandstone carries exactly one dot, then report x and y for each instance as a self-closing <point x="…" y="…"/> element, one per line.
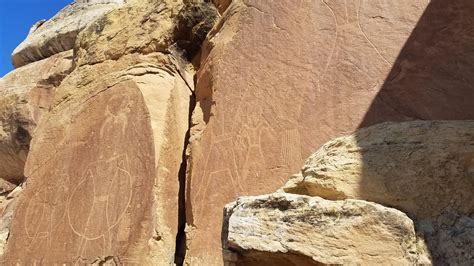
<point x="424" y="168"/>
<point x="280" y="78"/>
<point x="59" y="33"/>
<point x="286" y="229"/>
<point x="103" y="167"/>
<point x="26" y="94"/>
<point x="277" y="79"/>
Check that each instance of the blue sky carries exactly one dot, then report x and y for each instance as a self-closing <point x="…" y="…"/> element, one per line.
<point x="16" y="18"/>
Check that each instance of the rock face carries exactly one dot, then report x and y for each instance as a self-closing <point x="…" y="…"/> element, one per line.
<point x="144" y="27"/>
<point x="25" y="94"/>
<point x="104" y="167"/>
<point x="286" y="229"/>
<point x="8" y="204"/>
<point x="280" y="78"/>
<point x="58" y="34"/>
<point x="424" y="168"/>
<point x="96" y="119"/>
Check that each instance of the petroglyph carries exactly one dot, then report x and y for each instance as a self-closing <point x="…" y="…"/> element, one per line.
<point x="108" y="185"/>
<point x="44" y="211"/>
<point x="267" y="105"/>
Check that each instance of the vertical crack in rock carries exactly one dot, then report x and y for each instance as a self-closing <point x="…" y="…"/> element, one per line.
<point x="180" y="251"/>
<point x="193" y="23"/>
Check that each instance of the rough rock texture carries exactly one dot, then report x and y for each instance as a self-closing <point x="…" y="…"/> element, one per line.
<point x="59" y="33"/>
<point x="286" y="229"/>
<point x="280" y="78"/>
<point x="151" y="26"/>
<point x="424" y="168"/>
<point x="8" y="202"/>
<point x="25" y="94"/>
<point x="108" y="163"/>
<point x="103" y="167"/>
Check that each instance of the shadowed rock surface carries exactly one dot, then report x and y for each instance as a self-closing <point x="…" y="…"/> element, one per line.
<point x="424" y="168"/>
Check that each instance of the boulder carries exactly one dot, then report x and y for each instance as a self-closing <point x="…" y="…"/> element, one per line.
<point x="58" y="34"/>
<point x="424" y="168"/>
<point x="280" y="78"/>
<point x="103" y="168"/>
<point x="26" y="94"/>
<point x="286" y="229"/>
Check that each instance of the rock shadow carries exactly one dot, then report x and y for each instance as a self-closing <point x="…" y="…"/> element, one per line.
<point x="431" y="79"/>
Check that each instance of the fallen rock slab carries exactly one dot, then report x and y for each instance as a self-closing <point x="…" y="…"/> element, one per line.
<point x="424" y="168"/>
<point x="286" y="229"/>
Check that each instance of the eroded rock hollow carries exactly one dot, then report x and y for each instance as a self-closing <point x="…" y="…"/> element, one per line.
<point x="142" y="132"/>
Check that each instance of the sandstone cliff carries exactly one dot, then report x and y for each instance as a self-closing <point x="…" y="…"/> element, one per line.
<point x="108" y="129"/>
<point x="128" y="125"/>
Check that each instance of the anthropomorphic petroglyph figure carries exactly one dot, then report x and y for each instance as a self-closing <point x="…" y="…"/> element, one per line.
<point x="99" y="201"/>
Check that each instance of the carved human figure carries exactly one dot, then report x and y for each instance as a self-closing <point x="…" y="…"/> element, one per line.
<point x="100" y="200"/>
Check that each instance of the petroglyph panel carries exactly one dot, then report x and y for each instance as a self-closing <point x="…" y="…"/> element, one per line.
<point x="280" y="78"/>
<point x="91" y="196"/>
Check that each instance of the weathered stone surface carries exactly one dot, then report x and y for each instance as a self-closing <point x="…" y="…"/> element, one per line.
<point x="106" y="163"/>
<point x="59" y="33"/>
<point x="286" y="229"/>
<point x="25" y="94"/>
<point x="7" y="206"/>
<point x="103" y="167"/>
<point x="424" y="168"/>
<point x="280" y="78"/>
<point x="144" y="26"/>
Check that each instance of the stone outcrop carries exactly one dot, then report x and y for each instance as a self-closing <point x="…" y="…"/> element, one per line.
<point x="103" y="167"/>
<point x="105" y="164"/>
<point x="25" y="95"/>
<point x="108" y="94"/>
<point x="424" y="168"/>
<point x="280" y="78"/>
<point x="286" y="229"/>
<point x="59" y="33"/>
<point x="151" y="26"/>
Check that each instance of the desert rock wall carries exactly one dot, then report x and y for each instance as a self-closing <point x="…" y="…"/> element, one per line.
<point x="127" y="126"/>
<point x="278" y="79"/>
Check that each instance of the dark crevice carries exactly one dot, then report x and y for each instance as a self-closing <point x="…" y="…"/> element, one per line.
<point x="193" y="23"/>
<point x="180" y="250"/>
